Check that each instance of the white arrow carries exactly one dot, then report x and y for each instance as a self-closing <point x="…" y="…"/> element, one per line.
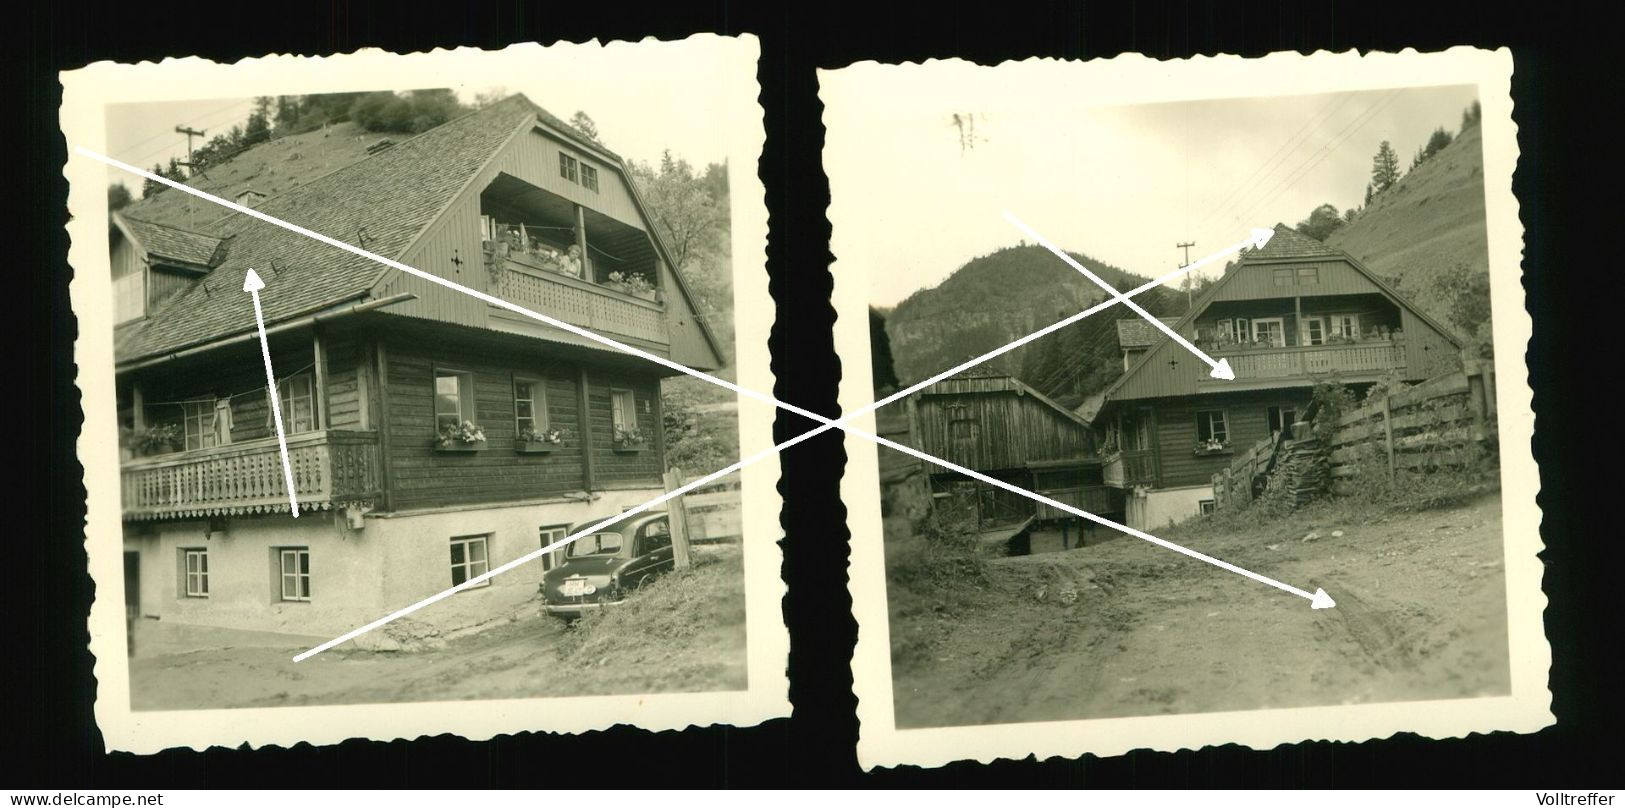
<point x="252" y="285"/>
<point x="1221" y="368"/>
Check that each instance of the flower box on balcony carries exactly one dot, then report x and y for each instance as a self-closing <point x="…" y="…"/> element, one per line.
<point x="522" y="446"/>
<point x="458" y="446"/>
<point x="1204" y="451"/>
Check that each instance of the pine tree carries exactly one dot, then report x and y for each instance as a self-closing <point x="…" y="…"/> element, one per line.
<point x="1368" y="193"/>
<point x="149" y="187"/>
<point x="585" y="125"/>
<point x="258" y="128"/>
<point x="1384" y="168"/>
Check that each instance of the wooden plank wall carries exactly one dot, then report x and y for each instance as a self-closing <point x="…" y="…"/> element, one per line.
<point x="423" y="477"/>
<point x="1009" y="431"/>
<point x="1247" y="415"/>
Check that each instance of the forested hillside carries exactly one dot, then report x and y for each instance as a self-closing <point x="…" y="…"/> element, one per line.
<point x="1011" y="293"/>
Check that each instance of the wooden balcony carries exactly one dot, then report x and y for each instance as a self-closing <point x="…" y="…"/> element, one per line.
<point x="532" y="283"/>
<point x="1368" y="359"/>
<point x="330" y="468"/>
<point x="1130" y="467"/>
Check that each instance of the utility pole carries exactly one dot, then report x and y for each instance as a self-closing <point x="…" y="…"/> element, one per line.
<point x="1186" y="246"/>
<point x="190" y="133"/>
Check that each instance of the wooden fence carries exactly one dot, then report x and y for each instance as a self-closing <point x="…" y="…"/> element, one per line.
<point x="714" y="512"/>
<point x="1235" y="486"/>
<point x="1445" y="422"/>
<point x="1448" y="421"/>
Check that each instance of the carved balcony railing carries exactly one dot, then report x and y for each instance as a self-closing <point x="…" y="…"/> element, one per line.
<point x="331" y="468"/>
<point x="522" y="279"/>
<point x="1366" y="358"/>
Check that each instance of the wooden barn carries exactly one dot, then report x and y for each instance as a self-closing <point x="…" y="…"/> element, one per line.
<point x="998" y="426"/>
<point x="432" y="436"/>
<point x="1286" y="317"/>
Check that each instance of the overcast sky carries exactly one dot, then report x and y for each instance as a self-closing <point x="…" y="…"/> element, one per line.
<point x="915" y="200"/>
<point x="675" y="103"/>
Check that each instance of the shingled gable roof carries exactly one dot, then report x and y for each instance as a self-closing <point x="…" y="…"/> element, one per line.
<point x="380" y="203"/>
<point x="1292" y="246"/>
<point x="1137" y="332"/>
<point x="170" y="245"/>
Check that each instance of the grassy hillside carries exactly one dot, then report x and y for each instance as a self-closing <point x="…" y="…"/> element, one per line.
<point x="270" y="168"/>
<point x="1428" y="224"/>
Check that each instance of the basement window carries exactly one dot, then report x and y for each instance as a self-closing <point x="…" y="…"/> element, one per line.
<point x="294" y="566"/>
<point x="469" y="559"/>
<point x="195" y="572"/>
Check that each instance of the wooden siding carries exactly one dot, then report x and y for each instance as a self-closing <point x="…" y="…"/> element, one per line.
<point x="618" y="469"/>
<point x="420" y="476"/>
<point x="1005" y="430"/>
<point x="456" y="237"/>
<point x="126" y="259"/>
<point x="347" y="373"/>
<point x="1428" y="353"/>
<point x="1246" y="415"/>
<point x="1257" y="281"/>
<point x="534" y="158"/>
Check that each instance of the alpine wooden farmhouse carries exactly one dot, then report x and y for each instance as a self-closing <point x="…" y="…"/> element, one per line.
<point x="1285" y="317"/>
<point x="996" y="425"/>
<point x="432" y="436"/>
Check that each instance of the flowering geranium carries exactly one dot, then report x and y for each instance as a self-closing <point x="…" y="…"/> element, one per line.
<point x="628" y="436"/>
<point x="1212" y="445"/>
<point x="466" y="432"/>
<point x="554" y="436"/>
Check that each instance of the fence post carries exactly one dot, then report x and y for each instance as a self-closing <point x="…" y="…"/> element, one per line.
<point x="677" y="518"/>
<point x="1388" y="432"/>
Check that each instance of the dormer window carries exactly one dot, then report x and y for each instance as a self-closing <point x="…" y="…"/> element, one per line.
<point x="248" y="197"/>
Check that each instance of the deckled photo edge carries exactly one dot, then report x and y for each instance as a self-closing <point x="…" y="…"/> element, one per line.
<point x="1526" y="709"/>
<point x="89" y="90"/>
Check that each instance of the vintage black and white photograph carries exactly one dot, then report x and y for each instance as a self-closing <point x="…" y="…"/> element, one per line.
<point x="1260" y="455"/>
<point x="308" y="440"/>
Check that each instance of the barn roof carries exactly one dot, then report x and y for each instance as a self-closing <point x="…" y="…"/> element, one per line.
<point x="972" y="381"/>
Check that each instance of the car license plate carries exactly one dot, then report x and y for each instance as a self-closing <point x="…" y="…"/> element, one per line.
<point x="575" y="588"/>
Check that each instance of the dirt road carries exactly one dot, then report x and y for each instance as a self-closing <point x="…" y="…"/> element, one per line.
<point x="686" y="632"/>
<point x="1126" y="628"/>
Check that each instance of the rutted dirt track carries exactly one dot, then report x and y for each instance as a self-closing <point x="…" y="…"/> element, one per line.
<point x="1126" y="628"/>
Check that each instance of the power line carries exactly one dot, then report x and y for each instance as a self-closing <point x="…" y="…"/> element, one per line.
<point x="1257" y="178"/>
<point x="1326" y="151"/>
<point x="167" y="147"/>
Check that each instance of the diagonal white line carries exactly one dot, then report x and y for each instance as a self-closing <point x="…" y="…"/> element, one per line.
<point x="827" y="423"/>
<point x="1221" y="369"/>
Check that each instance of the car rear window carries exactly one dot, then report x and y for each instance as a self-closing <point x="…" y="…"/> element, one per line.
<point x="596" y="544"/>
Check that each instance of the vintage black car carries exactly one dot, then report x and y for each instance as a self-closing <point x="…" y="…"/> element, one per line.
<point x="600" y="568"/>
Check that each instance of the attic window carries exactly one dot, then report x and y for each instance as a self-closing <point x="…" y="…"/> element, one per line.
<point x="567" y="167"/>
<point x="589" y="178"/>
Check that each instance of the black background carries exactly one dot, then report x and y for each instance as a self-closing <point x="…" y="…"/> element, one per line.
<point x="1561" y="102"/>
